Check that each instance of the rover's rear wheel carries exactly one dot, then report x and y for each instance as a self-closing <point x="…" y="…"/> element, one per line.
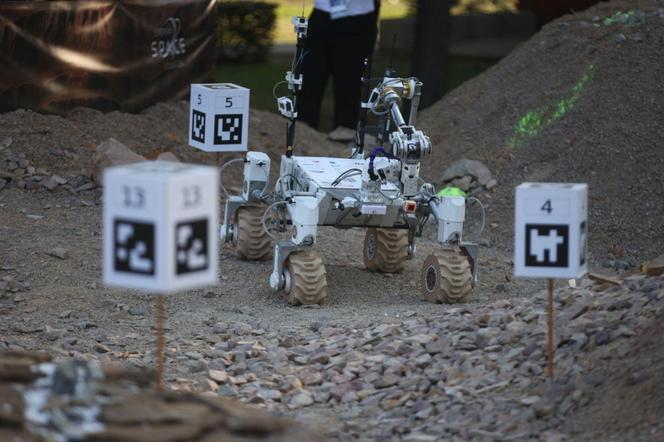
<point x="306" y="281"/>
<point x="446" y="277"/>
<point x="385" y="250"/>
<point x="253" y="243"/>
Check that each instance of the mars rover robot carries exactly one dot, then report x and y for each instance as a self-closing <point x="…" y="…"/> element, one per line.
<point x="379" y="189"/>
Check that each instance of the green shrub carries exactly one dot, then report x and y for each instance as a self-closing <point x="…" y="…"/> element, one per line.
<point x="245" y="29"/>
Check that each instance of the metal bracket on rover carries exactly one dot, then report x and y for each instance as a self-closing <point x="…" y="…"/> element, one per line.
<point x="379" y="189"/>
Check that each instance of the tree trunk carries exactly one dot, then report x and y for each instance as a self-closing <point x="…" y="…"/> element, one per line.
<point x="432" y="35"/>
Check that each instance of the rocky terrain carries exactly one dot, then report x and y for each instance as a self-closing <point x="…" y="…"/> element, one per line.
<point x="78" y="400"/>
<point x="575" y="103"/>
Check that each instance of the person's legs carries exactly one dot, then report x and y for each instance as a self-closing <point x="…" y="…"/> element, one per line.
<point x="315" y="68"/>
<point x="353" y="41"/>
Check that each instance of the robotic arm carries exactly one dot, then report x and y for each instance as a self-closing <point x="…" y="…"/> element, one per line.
<point x="409" y="145"/>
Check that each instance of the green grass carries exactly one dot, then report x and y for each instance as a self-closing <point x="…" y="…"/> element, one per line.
<point x="288" y="8"/>
<point x="261" y="77"/>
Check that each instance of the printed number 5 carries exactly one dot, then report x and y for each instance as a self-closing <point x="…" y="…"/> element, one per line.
<point x="546" y="207"/>
<point x="229" y="101"/>
<point x="199" y="99"/>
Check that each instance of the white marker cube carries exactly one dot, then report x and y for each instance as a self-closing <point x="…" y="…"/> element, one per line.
<point x="551" y="222"/>
<point x="219" y="117"/>
<point x="160" y="224"/>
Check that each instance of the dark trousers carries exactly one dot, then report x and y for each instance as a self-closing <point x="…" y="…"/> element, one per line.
<point x="335" y="48"/>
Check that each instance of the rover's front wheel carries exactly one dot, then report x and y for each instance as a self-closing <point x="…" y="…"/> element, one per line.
<point x="306" y="281"/>
<point x="447" y="276"/>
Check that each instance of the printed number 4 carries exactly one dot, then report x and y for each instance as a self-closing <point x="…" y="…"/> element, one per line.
<point x="546" y="207"/>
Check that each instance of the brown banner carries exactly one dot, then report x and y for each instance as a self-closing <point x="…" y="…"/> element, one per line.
<point x="122" y="54"/>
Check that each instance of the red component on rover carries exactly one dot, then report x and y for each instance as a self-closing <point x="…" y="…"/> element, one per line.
<point x="409" y="206"/>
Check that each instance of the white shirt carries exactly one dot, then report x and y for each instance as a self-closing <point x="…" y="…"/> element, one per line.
<point x="344" y="8"/>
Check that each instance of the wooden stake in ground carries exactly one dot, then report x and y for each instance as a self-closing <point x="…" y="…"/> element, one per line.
<point x="160" y="318"/>
<point x="549" y="338"/>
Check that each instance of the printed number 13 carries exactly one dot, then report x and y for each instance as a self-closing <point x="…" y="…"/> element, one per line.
<point x="134" y="197"/>
<point x="191" y="196"/>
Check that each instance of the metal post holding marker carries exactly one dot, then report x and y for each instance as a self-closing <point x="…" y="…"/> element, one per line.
<point x="160" y="233"/>
<point x="551" y="231"/>
<point x="549" y="334"/>
<point x="160" y="319"/>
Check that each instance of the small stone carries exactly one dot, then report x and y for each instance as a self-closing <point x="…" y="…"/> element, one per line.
<point x="465" y="167"/>
<point x="301" y="399"/>
<point x="49" y="184"/>
<point x="136" y="311"/>
<point x="602" y="337"/>
<point x="85" y="187"/>
<point x="218" y="376"/>
<point x="269" y="394"/>
<point x="5" y="143"/>
<point x="112" y="153"/>
<point x="168" y="156"/>
<point x="226" y="390"/>
<point x="543" y="409"/>
<point x="530" y="400"/>
<point x="423" y="339"/>
<point x="53" y="334"/>
<point x="386" y="381"/>
<point x="58" y="252"/>
<point x="349" y="396"/>
<point x="619" y="38"/>
<point x="320" y="358"/>
<point x="101" y="348"/>
<point x="59" y="180"/>
<point x="423" y="360"/>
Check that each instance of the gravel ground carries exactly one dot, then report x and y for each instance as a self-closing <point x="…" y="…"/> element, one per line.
<point x="51" y="297"/>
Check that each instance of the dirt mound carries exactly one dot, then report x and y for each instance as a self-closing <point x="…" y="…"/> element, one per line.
<point x="65" y="145"/>
<point x="629" y="404"/>
<point x="581" y="101"/>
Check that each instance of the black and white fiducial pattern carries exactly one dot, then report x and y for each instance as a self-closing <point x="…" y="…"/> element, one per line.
<point x="198" y="126"/>
<point x="547" y="245"/>
<point x="134" y="247"/>
<point x="191" y="246"/>
<point x="228" y="129"/>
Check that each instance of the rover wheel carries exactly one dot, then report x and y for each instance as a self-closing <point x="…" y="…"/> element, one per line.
<point x="306" y="282"/>
<point x="386" y="250"/>
<point x="253" y="244"/>
<point x="446" y="277"/>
